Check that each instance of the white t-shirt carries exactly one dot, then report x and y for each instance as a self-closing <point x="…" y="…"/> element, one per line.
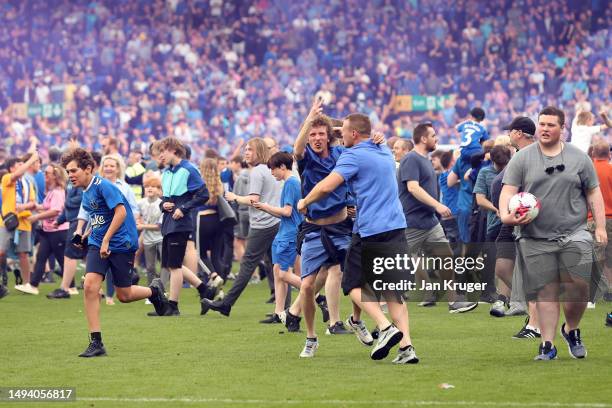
<point x="582" y="135"/>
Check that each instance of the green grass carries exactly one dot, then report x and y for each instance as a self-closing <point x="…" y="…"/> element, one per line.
<point x="219" y="361"/>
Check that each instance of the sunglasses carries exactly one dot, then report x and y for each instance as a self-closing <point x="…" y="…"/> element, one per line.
<point x="551" y="170"/>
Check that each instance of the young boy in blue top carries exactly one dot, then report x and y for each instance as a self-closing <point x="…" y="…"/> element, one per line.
<point x="111" y="245"/>
<point x="369" y="169"/>
<point x="284" y="249"/>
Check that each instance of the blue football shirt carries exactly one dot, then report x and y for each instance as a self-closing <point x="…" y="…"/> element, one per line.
<point x="370" y="171"/>
<point x="290" y="195"/>
<point x="100" y="200"/>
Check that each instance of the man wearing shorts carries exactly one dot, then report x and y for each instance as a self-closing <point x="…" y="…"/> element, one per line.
<point x="111" y="245"/>
<point x="418" y="192"/>
<point x="369" y="169"/>
<point x="182" y="191"/>
<point x="556" y="248"/>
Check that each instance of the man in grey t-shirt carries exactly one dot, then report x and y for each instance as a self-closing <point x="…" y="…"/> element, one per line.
<point x="555" y="248"/>
<point x="263" y="188"/>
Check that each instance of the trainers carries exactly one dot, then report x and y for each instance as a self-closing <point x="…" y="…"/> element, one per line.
<point x="429" y="299"/>
<point x="360" y="330"/>
<point x="27" y="288"/>
<point x="73" y="291"/>
<point x="608" y="319"/>
<point x="574" y="343"/>
<point x="58" y="293"/>
<point x="487" y="297"/>
<point x="95" y="349"/>
<point x="292" y="323"/>
<point x="309" y="348"/>
<point x="283" y="316"/>
<point x="498" y="309"/>
<point x="152" y="314"/>
<point x="324" y="310"/>
<point x="461" y="307"/>
<point x="516" y="309"/>
<point x="591" y="305"/>
<point x="388" y="338"/>
<point x="216" y="282"/>
<point x="3" y="291"/>
<point x="274" y="319"/>
<point x="160" y="302"/>
<point x="271" y="300"/>
<point x="527" y="332"/>
<point x="216" y="306"/>
<point x="337" y="328"/>
<point x="546" y="352"/>
<point x="407" y="356"/>
<point x="171" y="311"/>
<point x="427" y="303"/>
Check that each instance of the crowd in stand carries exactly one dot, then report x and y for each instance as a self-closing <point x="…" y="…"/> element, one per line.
<point x="214" y="72"/>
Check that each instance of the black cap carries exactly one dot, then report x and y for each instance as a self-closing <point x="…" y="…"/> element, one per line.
<point x="522" y="123"/>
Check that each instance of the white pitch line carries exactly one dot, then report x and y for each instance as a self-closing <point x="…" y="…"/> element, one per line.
<point x="351" y="402"/>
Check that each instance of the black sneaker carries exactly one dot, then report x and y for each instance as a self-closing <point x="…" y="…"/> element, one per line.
<point x="609" y="320"/>
<point x="274" y="319"/>
<point x="217" y="306"/>
<point x="487" y="297"/>
<point x="271" y="300"/>
<point x="171" y="311"/>
<point x="324" y="309"/>
<point x="338" y="328"/>
<point x="3" y="291"/>
<point x="527" y="333"/>
<point x="153" y="314"/>
<point x="95" y="349"/>
<point x="546" y="352"/>
<point x="292" y="323"/>
<point x="160" y="302"/>
<point x="58" y="293"/>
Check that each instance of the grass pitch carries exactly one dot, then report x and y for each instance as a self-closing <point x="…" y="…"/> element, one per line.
<point x="217" y="361"/>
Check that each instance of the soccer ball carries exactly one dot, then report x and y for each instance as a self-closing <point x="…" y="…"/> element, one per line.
<point x="524" y="203"/>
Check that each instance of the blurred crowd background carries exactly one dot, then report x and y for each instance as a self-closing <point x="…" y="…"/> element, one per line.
<point x="213" y="72"/>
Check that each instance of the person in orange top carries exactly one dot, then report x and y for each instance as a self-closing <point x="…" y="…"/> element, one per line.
<point x="601" y="159"/>
<point x="17" y="197"/>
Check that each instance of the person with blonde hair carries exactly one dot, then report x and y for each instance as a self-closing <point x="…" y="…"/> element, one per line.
<point x="51" y="236"/>
<point x="584" y="129"/>
<point x="209" y="228"/>
<point x="263" y="188"/>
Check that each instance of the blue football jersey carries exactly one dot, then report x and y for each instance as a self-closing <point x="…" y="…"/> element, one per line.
<point x="472" y="135"/>
<point x="99" y="200"/>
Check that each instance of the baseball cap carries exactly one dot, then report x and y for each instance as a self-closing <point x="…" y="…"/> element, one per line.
<point x="522" y="123"/>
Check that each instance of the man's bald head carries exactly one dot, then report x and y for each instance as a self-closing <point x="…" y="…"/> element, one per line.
<point x="601" y="150"/>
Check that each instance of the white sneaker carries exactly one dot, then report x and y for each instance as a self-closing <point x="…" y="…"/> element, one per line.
<point x="73" y="291"/>
<point x="386" y="340"/>
<point x="590" y="305"/>
<point x="309" y="348"/>
<point x="27" y="288"/>
<point x="360" y="330"/>
<point x="407" y="356"/>
<point x="215" y="283"/>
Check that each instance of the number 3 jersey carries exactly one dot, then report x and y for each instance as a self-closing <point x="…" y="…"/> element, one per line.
<point x="100" y="200"/>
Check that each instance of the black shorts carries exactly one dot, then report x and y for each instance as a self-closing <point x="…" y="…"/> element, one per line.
<point x="354" y="276"/>
<point x="120" y="265"/>
<point x="173" y="249"/>
<point x="505" y="244"/>
<point x="70" y="250"/>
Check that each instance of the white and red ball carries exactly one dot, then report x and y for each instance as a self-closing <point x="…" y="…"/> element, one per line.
<point x="524" y="203"/>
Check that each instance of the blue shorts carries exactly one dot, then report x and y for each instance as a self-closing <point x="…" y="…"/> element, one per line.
<point x="314" y="254"/>
<point x="284" y="254"/>
<point x="119" y="264"/>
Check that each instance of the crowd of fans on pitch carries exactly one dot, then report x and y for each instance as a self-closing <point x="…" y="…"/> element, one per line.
<point x="212" y="72"/>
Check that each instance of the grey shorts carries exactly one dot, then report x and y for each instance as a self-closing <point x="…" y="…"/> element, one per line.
<point x="544" y="262"/>
<point x="7" y="239"/>
<point x="432" y="241"/>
